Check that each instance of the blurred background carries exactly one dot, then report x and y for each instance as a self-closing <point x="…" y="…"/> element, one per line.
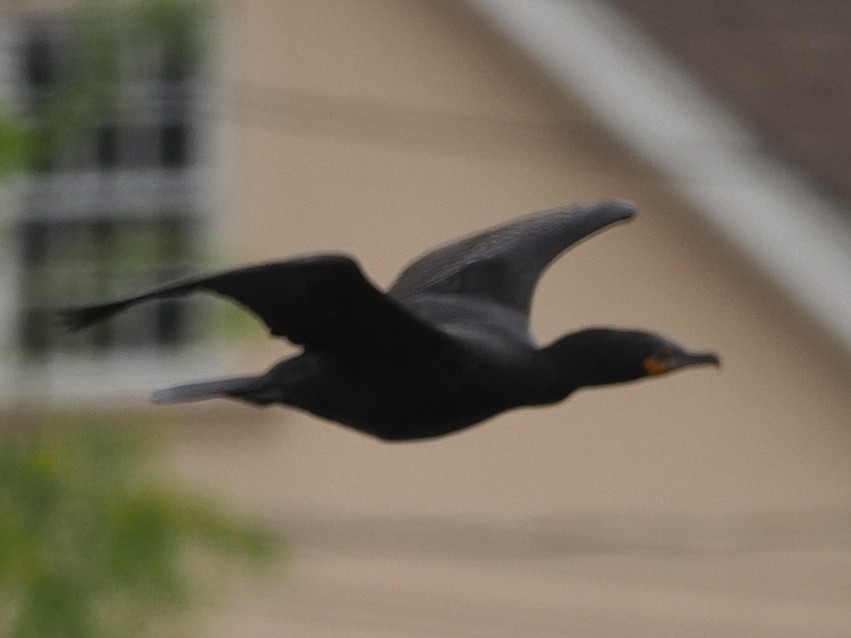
<point x="145" y="139"/>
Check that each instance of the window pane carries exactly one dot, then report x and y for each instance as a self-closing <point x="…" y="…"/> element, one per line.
<point x="40" y="59"/>
<point x="99" y="218"/>
<point x="138" y="146"/>
<point x="106" y="146"/>
<point x="173" y="145"/>
<point x="76" y="262"/>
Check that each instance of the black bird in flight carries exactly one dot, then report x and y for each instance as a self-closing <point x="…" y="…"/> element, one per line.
<point x="447" y="346"/>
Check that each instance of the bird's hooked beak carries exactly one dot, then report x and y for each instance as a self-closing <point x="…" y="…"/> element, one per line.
<point x="662" y="363"/>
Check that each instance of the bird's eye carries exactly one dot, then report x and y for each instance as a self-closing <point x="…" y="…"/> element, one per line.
<point x="667" y="351"/>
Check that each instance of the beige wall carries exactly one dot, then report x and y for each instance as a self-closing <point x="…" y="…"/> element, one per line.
<point x="381" y="127"/>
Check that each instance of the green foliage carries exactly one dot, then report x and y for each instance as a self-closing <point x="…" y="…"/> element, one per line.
<point x="93" y="544"/>
<point x="15" y="142"/>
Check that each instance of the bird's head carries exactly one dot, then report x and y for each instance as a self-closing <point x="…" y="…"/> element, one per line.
<point x="599" y="356"/>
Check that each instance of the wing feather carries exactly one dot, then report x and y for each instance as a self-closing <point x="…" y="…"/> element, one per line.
<point x="503" y="264"/>
<point x="316" y="301"/>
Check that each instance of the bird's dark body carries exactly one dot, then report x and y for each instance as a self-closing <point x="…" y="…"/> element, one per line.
<point x="421" y="397"/>
<point x="417" y="402"/>
<point x="446" y="347"/>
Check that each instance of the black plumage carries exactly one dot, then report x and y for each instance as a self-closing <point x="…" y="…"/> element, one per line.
<point x="447" y="346"/>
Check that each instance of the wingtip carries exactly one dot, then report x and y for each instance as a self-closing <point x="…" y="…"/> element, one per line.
<point x="161" y="397"/>
<point x="168" y="396"/>
<point x="621" y="209"/>
<point x="606" y="212"/>
<point x="73" y="319"/>
<point x="78" y="317"/>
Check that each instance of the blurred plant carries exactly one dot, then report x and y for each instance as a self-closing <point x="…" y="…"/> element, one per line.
<point x="93" y="544"/>
<point x="14" y="142"/>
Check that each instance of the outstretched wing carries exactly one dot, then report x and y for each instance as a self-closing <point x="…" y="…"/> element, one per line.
<point x="503" y="264"/>
<point x="315" y="301"/>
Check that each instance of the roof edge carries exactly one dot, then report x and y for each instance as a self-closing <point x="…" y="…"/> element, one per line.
<point x="664" y="115"/>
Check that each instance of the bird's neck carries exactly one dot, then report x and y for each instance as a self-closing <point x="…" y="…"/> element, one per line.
<point x="577" y="360"/>
<point x="558" y="372"/>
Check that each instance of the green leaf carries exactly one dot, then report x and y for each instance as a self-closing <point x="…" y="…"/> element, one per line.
<point x="92" y="539"/>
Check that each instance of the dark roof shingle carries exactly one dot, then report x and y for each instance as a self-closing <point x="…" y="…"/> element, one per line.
<point x="785" y="65"/>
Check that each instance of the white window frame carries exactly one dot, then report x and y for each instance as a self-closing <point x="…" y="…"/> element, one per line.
<point x="119" y="376"/>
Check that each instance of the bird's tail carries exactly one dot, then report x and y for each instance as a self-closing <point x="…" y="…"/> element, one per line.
<point x="256" y="390"/>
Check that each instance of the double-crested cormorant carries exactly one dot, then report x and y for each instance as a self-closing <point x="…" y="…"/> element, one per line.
<point x="447" y="346"/>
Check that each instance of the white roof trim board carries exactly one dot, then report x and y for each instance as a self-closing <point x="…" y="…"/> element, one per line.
<point x="663" y="114"/>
